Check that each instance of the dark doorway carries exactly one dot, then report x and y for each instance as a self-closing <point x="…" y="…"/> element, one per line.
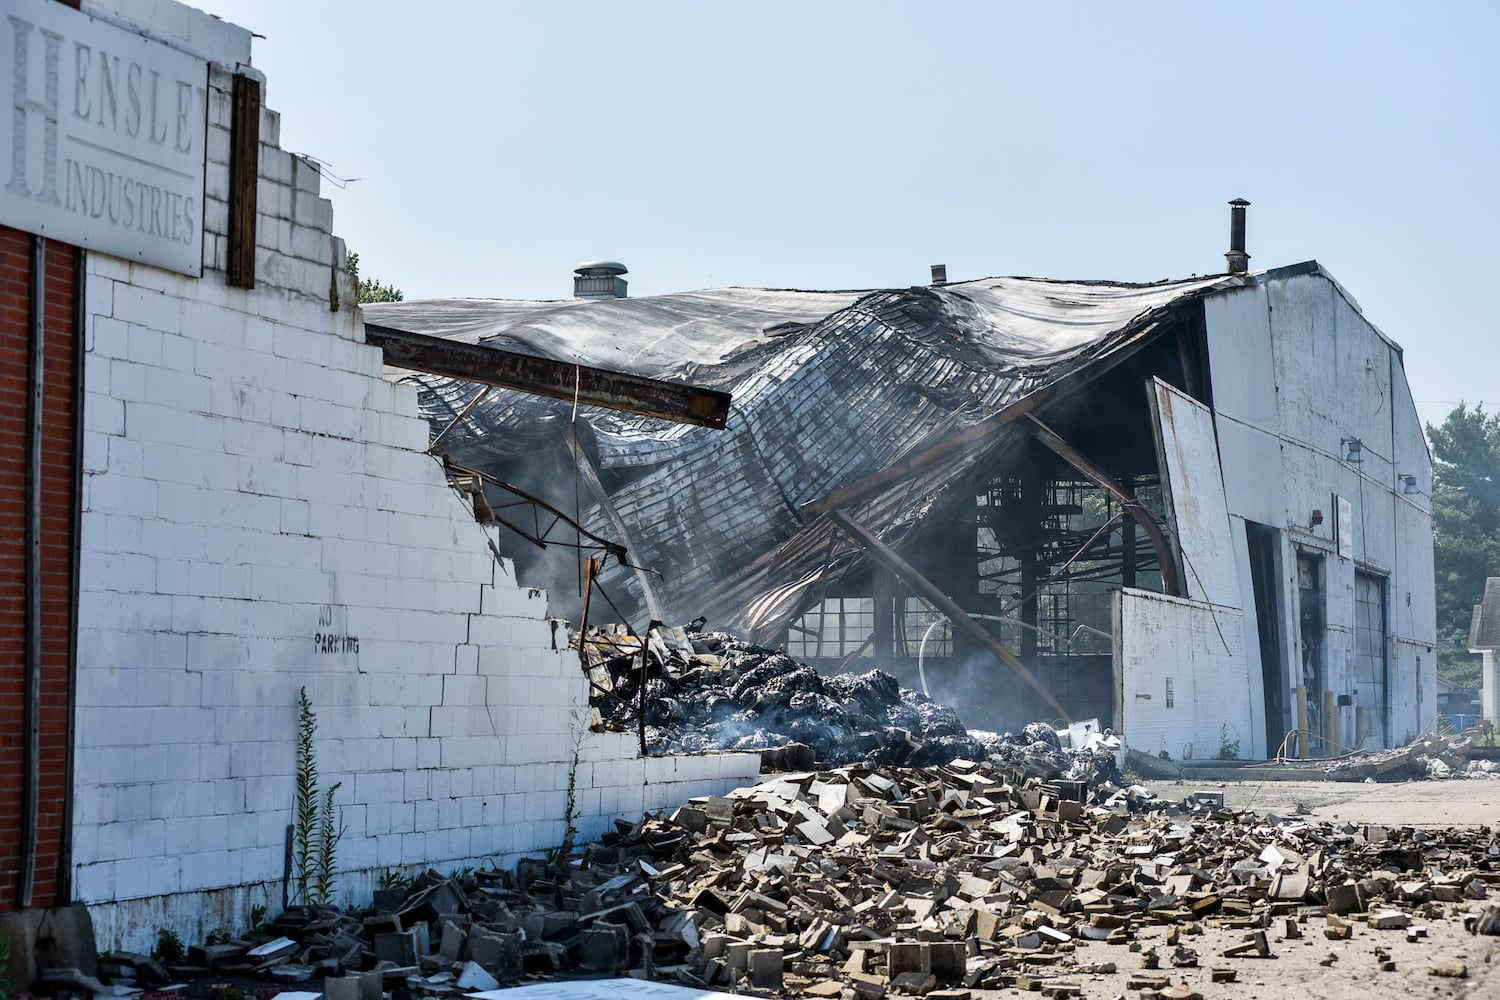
<point x="1370" y="663"/>
<point x="1310" y="632"/>
<point x="1264" y="543"/>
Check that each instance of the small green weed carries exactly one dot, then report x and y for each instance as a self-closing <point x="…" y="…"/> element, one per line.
<point x="393" y="879"/>
<point x="1228" y="749"/>
<point x="169" y="947"/>
<point x="5" y="957"/>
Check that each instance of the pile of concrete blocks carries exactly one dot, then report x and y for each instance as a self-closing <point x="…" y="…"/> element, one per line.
<point x="864" y="882"/>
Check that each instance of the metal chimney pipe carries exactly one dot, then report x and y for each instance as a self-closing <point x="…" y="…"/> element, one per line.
<point x="1239" y="260"/>
<point x="940" y="274"/>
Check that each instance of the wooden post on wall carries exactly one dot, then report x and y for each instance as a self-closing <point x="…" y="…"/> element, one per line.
<point x="244" y="179"/>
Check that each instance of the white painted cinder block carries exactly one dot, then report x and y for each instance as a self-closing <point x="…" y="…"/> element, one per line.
<point x="260" y="516"/>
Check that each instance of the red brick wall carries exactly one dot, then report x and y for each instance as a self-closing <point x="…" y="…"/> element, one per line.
<point x="58" y="502"/>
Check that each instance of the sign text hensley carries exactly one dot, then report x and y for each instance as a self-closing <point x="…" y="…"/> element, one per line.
<point x="102" y="135"/>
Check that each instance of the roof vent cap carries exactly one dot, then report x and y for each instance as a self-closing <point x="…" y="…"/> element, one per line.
<point x="599" y="279"/>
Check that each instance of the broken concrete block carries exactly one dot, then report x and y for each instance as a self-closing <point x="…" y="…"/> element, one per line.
<point x="1487" y="922"/>
<point x="908" y="956"/>
<point x="603" y="946"/>
<point x="472" y="977"/>
<point x="737" y="956"/>
<point x="1449" y="968"/>
<point x="914" y="983"/>
<point x="397" y="947"/>
<point x="272" y="950"/>
<point x="497" y="952"/>
<point x="293" y="973"/>
<point x="1389" y="920"/>
<point x="210" y="956"/>
<point x="766" y="968"/>
<point x="1290" y="885"/>
<point x="451" y="944"/>
<point x="341" y="988"/>
<point x="947" y="960"/>
<point x="1344" y="899"/>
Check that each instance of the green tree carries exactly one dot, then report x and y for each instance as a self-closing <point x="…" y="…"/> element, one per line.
<point x="371" y="290"/>
<point x="1465" y="527"/>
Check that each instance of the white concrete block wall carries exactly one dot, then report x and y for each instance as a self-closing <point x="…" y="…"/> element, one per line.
<point x="259" y="516"/>
<point x="1183" y="678"/>
<point x="1322" y="373"/>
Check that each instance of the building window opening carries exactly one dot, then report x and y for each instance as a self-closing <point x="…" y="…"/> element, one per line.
<point x="835" y="627"/>
<point x="924" y="630"/>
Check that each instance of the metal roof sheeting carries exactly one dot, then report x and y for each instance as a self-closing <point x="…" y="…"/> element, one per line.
<point x="829" y="387"/>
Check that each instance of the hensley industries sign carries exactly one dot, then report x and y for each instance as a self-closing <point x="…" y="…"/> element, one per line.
<point x="102" y="135"/>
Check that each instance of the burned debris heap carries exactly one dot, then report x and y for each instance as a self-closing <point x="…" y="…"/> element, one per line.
<point x="713" y="691"/>
<point x="857" y="881"/>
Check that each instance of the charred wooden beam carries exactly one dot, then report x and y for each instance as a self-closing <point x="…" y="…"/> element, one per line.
<point x="547" y="377"/>
<point x="1170" y="582"/>
<point x="924" y="588"/>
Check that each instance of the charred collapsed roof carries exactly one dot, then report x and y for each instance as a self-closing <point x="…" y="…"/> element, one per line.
<point x="980" y="457"/>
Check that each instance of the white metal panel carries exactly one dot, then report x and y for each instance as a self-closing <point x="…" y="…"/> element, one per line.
<point x="1250" y="462"/>
<point x="1189" y="457"/>
<point x="1302" y="338"/>
<point x="1363" y="402"/>
<point x="105" y="145"/>
<point x="1195" y="651"/>
<point x="1240" y="357"/>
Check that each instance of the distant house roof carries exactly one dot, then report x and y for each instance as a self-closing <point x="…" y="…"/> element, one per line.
<point x="829" y="388"/>
<point x="1484" y="627"/>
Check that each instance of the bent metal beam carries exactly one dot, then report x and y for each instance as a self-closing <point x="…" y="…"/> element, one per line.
<point x="1170" y="582"/>
<point x="924" y="588"/>
<point x="547" y="377"/>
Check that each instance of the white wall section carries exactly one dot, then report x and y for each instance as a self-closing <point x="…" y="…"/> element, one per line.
<point x="259" y="516"/>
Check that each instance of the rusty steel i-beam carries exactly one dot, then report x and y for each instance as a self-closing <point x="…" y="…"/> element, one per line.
<point x="547" y="377"/>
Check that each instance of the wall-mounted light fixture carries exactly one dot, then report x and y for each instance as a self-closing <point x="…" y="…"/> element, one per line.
<point x="1354" y="449"/>
<point x="1316" y="518"/>
<point x="1408" y="484"/>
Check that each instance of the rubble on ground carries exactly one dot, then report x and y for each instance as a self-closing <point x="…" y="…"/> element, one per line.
<point x="860" y="882"/>
<point x="713" y="691"/>
<point x="1430" y="755"/>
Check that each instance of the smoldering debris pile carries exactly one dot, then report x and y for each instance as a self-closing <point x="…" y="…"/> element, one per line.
<point x="713" y="691"/>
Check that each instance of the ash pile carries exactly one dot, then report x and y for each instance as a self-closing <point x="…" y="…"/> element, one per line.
<point x="714" y="691"/>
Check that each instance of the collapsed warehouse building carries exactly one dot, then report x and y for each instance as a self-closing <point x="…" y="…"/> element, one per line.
<point x="1196" y="510"/>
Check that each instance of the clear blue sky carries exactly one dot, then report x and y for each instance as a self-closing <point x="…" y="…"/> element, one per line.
<point x="851" y="145"/>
